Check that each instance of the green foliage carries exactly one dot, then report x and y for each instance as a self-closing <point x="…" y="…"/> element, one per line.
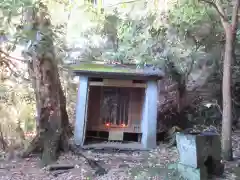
<point x="29" y="124"/>
<point x="186" y="37"/>
<point x="11" y="14"/>
<point x="153" y="37"/>
<point x="205" y="115"/>
<point x="188" y="14"/>
<point x="17" y="105"/>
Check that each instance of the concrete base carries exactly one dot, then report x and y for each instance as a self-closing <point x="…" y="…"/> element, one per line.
<point x="189" y="173"/>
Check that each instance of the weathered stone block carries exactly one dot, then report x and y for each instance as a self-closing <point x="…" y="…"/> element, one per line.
<point x="196" y="150"/>
<point x="115" y="136"/>
<point x="189" y="173"/>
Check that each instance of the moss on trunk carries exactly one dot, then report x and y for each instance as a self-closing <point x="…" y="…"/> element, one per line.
<point x="54" y="128"/>
<point x="53" y="123"/>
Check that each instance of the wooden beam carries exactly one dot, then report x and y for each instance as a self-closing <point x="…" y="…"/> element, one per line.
<point x="118" y="84"/>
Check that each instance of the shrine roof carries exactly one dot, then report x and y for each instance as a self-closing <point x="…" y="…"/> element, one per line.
<point x="130" y="71"/>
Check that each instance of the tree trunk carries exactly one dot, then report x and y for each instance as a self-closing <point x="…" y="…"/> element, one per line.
<point x="53" y="115"/>
<point x="230" y="32"/>
<point x="54" y="128"/>
<point x="33" y="79"/>
<point x="227" y="101"/>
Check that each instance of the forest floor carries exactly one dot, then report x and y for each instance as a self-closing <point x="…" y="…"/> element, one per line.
<point x="120" y="166"/>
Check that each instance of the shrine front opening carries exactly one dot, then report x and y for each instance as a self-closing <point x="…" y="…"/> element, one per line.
<point x="117" y="106"/>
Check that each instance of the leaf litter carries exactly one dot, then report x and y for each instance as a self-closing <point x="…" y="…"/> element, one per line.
<point x="141" y="165"/>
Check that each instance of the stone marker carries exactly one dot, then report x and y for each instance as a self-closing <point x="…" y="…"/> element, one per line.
<point x="199" y="155"/>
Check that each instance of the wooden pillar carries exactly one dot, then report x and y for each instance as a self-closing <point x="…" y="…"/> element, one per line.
<point x="149" y="115"/>
<point x="81" y="111"/>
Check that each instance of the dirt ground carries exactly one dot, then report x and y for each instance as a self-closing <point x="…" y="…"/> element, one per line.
<point x="120" y="166"/>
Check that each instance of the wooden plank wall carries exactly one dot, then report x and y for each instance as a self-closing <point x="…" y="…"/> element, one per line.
<point x="136" y="103"/>
<point x="94" y="105"/>
<point x="134" y="113"/>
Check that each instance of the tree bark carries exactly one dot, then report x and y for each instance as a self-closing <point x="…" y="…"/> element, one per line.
<point x="54" y="128"/>
<point x="53" y="115"/>
<point x="33" y="79"/>
<point x="227" y="101"/>
<point x="230" y="32"/>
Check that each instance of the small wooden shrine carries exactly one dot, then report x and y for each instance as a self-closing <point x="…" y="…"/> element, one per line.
<point x="118" y="100"/>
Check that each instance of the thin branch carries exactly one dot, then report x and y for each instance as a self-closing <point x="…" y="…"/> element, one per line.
<point x="9" y="64"/>
<point x="198" y="45"/>
<point x="125" y="2"/>
<point x="15" y="74"/>
<point x="3" y="60"/>
<point x="219" y="108"/>
<point x="220" y="11"/>
<point x="14" y="58"/>
<point x="235" y="102"/>
<point x="235" y="16"/>
<point x="218" y="8"/>
<point x="170" y="88"/>
<point x="190" y="69"/>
